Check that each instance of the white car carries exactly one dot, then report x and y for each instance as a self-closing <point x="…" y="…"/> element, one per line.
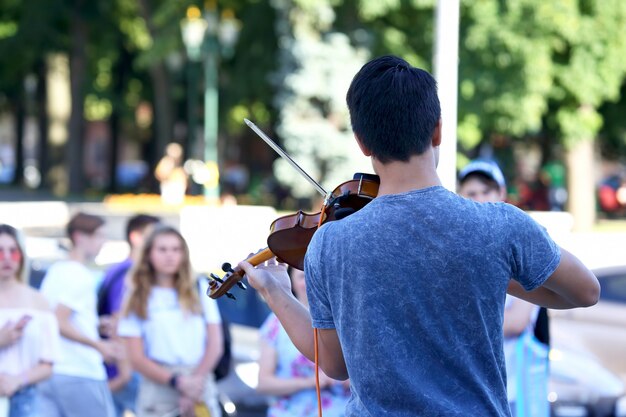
<point x="588" y="359"/>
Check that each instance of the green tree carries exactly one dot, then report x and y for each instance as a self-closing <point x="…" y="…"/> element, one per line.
<point x="527" y="68"/>
<point x="532" y="68"/>
<point x="25" y="37"/>
<point x="317" y="65"/>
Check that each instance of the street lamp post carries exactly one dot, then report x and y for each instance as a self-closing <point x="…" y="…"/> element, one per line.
<point x="207" y="39"/>
<point x="211" y="103"/>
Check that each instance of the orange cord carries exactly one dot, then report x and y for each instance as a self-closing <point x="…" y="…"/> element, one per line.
<point x="318" y="389"/>
<point x="317" y="375"/>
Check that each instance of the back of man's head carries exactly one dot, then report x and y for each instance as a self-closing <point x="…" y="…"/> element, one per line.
<point x="138" y="223"/>
<point x="84" y="223"/>
<point x="394" y="108"/>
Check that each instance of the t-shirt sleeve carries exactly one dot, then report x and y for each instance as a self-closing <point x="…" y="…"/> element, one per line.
<point x="534" y="255"/>
<point x="116" y="295"/>
<point x="210" y="308"/>
<point x="66" y="284"/>
<point x="130" y="326"/>
<point x="117" y="287"/>
<point x="316" y="284"/>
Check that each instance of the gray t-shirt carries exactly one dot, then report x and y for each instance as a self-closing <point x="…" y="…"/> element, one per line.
<point x="414" y="284"/>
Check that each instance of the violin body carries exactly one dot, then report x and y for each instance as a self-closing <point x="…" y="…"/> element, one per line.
<point x="290" y="235"/>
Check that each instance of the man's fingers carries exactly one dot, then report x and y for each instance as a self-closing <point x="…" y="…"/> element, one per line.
<point x="246" y="266"/>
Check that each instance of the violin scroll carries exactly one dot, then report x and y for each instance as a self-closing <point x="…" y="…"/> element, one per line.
<point x="220" y="286"/>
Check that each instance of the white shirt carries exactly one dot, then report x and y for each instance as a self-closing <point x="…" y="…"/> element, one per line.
<point x="70" y="283"/>
<point x="171" y="335"/>
<point x="39" y="341"/>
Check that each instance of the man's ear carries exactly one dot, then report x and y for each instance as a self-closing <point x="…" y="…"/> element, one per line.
<point x="436" y="139"/>
<point x="135" y="237"/>
<point x="364" y="148"/>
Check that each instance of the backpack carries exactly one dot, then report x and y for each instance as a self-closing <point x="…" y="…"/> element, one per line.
<point x="223" y="366"/>
<point x="542" y="327"/>
<point x="103" y="299"/>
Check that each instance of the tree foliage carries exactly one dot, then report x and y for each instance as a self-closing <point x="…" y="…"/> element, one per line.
<point x="527" y="68"/>
<point x="317" y="65"/>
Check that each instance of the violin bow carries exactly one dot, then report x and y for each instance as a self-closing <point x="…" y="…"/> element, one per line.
<point x="326" y="196"/>
<point x="226" y="267"/>
<point x="286" y="157"/>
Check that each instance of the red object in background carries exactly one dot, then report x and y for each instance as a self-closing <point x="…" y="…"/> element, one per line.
<point x="607" y="198"/>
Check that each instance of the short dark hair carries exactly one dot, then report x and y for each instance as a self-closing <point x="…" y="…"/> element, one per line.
<point x="394" y="108"/>
<point x="85" y="223"/>
<point x="139" y="223"/>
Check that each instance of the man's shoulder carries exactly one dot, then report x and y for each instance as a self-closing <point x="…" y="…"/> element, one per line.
<point x="61" y="277"/>
<point x="61" y="268"/>
<point x="118" y="270"/>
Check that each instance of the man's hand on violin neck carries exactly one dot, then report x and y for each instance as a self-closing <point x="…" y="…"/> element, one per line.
<point x="267" y="278"/>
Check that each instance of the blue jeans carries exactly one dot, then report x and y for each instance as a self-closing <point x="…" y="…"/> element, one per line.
<point x="24" y="403"/>
<point x="124" y="399"/>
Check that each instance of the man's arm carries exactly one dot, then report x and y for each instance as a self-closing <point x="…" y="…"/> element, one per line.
<point x="109" y="350"/>
<point x="274" y="285"/>
<point x="571" y="285"/>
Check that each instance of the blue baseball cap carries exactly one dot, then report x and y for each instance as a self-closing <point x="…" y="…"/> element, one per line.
<point x="485" y="167"/>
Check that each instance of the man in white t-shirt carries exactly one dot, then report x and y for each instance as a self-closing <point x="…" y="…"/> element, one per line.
<point x="78" y="386"/>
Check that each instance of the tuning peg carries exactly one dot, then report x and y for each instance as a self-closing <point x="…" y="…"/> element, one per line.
<point x="227" y="267"/>
<point x="229" y="295"/>
<point x="216" y="278"/>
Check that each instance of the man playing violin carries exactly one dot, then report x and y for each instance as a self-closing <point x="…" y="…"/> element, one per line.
<point x="407" y="294"/>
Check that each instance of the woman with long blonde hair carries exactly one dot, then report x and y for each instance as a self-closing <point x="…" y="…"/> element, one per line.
<point x="29" y="334"/>
<point x="174" y="337"/>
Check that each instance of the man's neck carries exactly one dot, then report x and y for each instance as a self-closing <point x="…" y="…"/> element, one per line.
<point x="399" y="177"/>
<point x="78" y="255"/>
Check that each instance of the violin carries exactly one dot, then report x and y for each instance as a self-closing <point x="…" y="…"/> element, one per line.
<point x="290" y="235"/>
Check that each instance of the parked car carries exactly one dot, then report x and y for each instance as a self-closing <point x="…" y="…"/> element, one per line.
<point x="588" y="359"/>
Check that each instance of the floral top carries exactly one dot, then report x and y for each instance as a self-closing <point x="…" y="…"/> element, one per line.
<point x="292" y="364"/>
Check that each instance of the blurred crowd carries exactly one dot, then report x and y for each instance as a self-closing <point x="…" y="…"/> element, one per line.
<point x="141" y="339"/>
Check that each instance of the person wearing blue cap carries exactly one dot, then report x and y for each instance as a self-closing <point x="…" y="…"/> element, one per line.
<point x="483" y="181"/>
